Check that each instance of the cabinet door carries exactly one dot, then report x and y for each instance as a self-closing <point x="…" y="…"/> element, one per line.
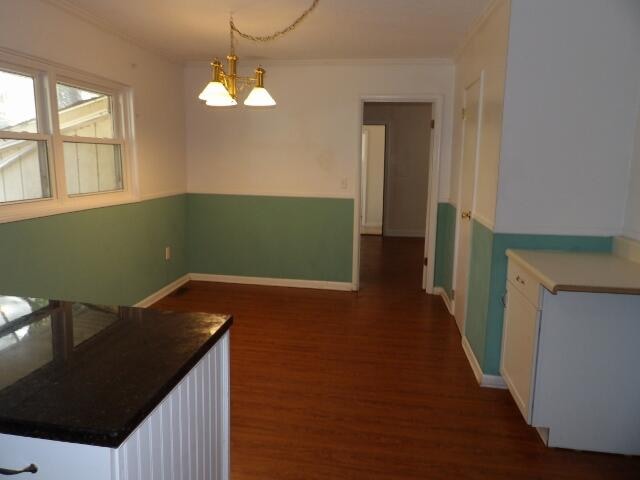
<point x="519" y="349"/>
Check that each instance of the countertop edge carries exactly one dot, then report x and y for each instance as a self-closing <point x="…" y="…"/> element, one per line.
<point x="555" y="288"/>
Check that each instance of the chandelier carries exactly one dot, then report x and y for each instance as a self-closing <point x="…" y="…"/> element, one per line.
<point x="224" y="86"/>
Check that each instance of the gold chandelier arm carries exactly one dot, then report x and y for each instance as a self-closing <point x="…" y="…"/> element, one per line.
<point x="273" y="36"/>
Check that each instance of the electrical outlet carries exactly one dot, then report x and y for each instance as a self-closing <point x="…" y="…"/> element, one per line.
<point x="167" y="253"/>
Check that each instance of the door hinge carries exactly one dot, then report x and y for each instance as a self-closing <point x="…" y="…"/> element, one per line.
<point x="426" y="261"/>
<point x="464" y="113"/>
<point x="453" y="295"/>
<point x="433" y="124"/>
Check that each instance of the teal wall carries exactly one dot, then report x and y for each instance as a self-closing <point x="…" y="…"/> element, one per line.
<point x="277" y="237"/>
<point x="111" y="255"/>
<point x="445" y="247"/>
<point x="488" y="279"/>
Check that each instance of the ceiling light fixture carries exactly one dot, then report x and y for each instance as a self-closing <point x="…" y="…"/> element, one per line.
<point x="224" y="86"/>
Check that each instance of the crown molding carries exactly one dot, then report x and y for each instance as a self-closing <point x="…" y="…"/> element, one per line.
<point x="339" y="62"/>
<point x="106" y="26"/>
<point x="476" y="25"/>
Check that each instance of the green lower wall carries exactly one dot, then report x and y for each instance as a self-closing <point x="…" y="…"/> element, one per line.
<point x="488" y="279"/>
<point x="445" y="247"/>
<point x="111" y="255"/>
<point x="276" y="237"/>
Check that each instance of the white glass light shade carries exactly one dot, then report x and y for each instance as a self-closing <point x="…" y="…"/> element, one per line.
<point x="259" y="97"/>
<point x="216" y="95"/>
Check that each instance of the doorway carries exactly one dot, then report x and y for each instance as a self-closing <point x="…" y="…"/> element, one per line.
<point x="397" y="145"/>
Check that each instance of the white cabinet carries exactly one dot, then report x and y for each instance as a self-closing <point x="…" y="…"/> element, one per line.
<point x="570" y="360"/>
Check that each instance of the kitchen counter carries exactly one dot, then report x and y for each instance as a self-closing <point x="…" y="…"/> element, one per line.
<point x="91" y="374"/>
<point x="580" y="272"/>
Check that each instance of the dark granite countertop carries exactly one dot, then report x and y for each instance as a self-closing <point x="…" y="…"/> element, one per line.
<point x="91" y="374"/>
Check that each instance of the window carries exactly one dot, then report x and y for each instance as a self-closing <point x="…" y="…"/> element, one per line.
<point x="62" y="140"/>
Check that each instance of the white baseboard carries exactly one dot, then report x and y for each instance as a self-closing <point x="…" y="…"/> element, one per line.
<point x="163" y="292"/>
<point x="488" y="381"/>
<point x="273" y="282"/>
<point x="371" y="229"/>
<point x="443" y="293"/>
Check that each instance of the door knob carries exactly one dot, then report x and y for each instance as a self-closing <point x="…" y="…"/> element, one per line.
<point x="466" y="215"/>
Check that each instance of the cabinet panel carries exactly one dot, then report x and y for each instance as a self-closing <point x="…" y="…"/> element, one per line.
<point x="519" y="348"/>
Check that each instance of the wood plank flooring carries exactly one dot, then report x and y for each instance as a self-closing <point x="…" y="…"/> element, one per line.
<point x="370" y="385"/>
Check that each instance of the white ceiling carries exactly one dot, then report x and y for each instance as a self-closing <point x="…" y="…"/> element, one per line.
<point x="338" y="29"/>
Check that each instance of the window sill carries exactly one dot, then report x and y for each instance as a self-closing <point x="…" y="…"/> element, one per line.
<point x="16" y="212"/>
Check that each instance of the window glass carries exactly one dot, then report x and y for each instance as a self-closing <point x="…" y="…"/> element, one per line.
<point x="17" y="103"/>
<point x="84" y="113"/>
<point x="92" y="168"/>
<point x="24" y="170"/>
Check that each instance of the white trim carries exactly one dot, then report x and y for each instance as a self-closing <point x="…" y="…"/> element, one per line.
<point x="529" y="229"/>
<point x="493" y="381"/>
<point x="274" y="282"/>
<point x="48" y="207"/>
<point x="627" y="248"/>
<point x="108" y="27"/>
<point x="483" y="221"/>
<point x="475" y="26"/>
<point x="327" y="62"/>
<point x="163" y="292"/>
<point x="437" y="114"/>
<point x="371" y="229"/>
<point x="487" y="381"/>
<point x="167" y="193"/>
<point x="447" y="302"/>
<point x="268" y="193"/>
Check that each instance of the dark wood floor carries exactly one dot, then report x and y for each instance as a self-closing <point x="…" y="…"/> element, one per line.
<point x="373" y="385"/>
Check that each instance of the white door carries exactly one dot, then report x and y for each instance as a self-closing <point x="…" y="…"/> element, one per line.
<point x="467" y="189"/>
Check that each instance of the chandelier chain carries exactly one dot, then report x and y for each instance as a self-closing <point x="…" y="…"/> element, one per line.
<point x="279" y="33"/>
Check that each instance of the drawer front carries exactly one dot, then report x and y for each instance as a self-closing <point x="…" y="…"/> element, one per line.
<point x="525" y="282"/>
<point x="519" y="349"/>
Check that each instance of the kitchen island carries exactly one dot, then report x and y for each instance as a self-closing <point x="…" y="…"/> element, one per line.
<point x="100" y="392"/>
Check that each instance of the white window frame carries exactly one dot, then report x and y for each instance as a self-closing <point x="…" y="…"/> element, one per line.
<point x="46" y="76"/>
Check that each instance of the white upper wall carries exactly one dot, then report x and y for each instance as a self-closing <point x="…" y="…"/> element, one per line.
<point x="309" y="144"/>
<point x="632" y="217"/>
<point x="484" y="53"/>
<point x="38" y="29"/>
<point x="571" y="103"/>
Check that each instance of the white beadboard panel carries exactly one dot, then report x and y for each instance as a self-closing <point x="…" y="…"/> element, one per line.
<point x="187" y="436"/>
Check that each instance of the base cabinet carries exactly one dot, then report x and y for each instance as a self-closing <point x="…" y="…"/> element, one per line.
<point x="185" y="437"/>
<point x="570" y="362"/>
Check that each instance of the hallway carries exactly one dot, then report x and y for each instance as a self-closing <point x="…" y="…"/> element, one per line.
<point x="370" y="385"/>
